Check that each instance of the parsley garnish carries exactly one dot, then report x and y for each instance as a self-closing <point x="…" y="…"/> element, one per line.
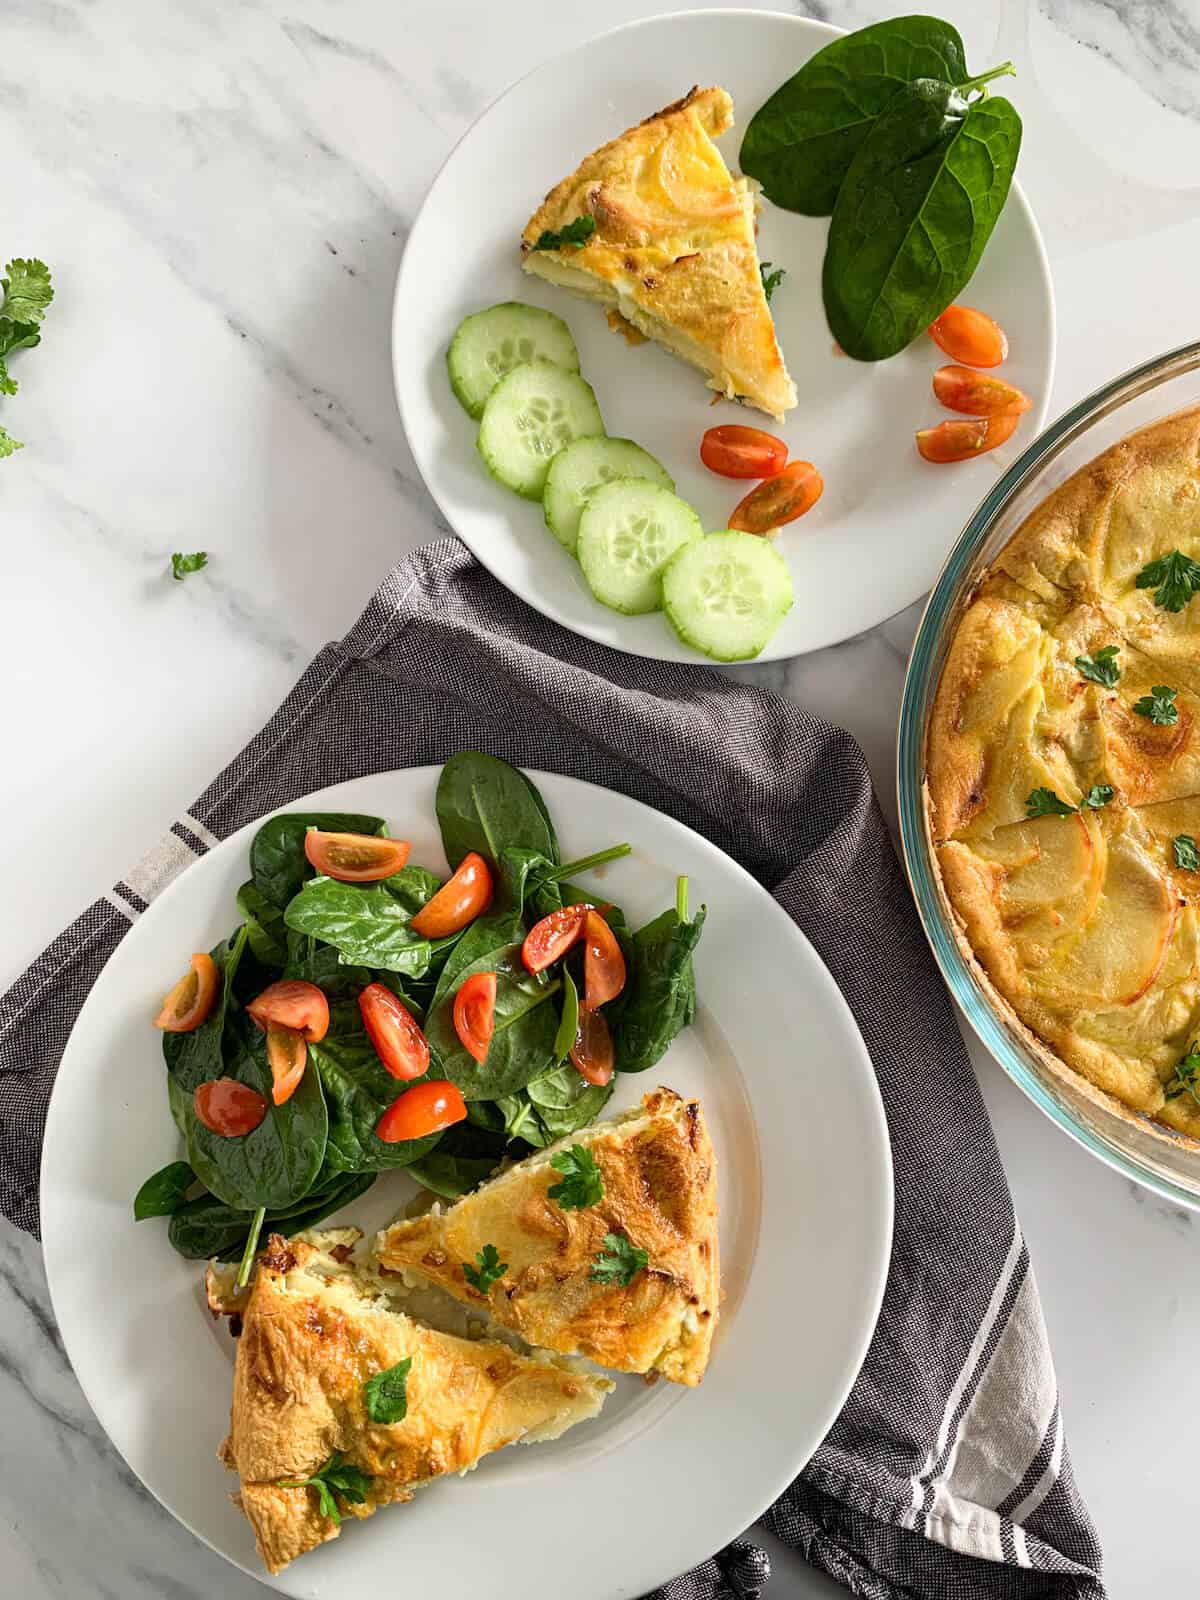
<point x="490" y="1268"/>
<point x="576" y="234"/>
<point x="1175" y="578"/>
<point x="1100" y="667"/>
<point x="8" y="445"/>
<point x="772" y="277"/>
<point x="1187" y="1072"/>
<point x="334" y="1478"/>
<point x="1186" y="854"/>
<point x="619" y="1261"/>
<point x="582" y="1185"/>
<point x="1098" y="795"/>
<point x="386" y="1393"/>
<point x="1045" y="803"/>
<point x="1159" y="705"/>
<point x="25" y="292"/>
<point x="181" y="565"/>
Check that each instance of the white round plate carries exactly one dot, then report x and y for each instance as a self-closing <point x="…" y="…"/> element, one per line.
<point x="877" y="538"/>
<point x="664" y="1476"/>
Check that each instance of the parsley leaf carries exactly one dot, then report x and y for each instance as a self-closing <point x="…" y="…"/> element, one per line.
<point x="1175" y="578"/>
<point x="772" y="277"/>
<point x="1186" y="854"/>
<point x="576" y="234"/>
<point x="1045" y="803"/>
<point x="8" y="445"/>
<point x="27" y="291"/>
<point x="489" y="1270"/>
<point x="619" y="1261"/>
<point x="1101" y="667"/>
<point x="1098" y="795"/>
<point x="1187" y="1072"/>
<point x="1159" y="705"/>
<point x="334" y="1478"/>
<point x="181" y="565"/>
<point x="582" y="1186"/>
<point x="386" y="1393"/>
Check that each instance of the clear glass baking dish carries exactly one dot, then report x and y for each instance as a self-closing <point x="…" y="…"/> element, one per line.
<point x="1145" y="1151"/>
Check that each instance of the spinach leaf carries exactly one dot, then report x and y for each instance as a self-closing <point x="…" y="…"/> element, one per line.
<point x="163" y="1192"/>
<point x="278" y="864"/>
<point x="318" y="963"/>
<point x="207" y="1227"/>
<point x="451" y="1176"/>
<point x="566" y="1102"/>
<point x="369" y="924"/>
<point x="522" y="1045"/>
<point x="484" y="804"/>
<point x="358" y="1090"/>
<point x="802" y="140"/>
<point x="568" y="1026"/>
<point x="192" y="1058"/>
<point x="264" y="926"/>
<point x="527" y="875"/>
<point x="914" y="213"/>
<point x="483" y="937"/>
<point x="521" y="1119"/>
<point x="660" y="988"/>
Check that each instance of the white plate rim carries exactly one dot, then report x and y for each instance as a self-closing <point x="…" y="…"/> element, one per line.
<point x="874" y="1134"/>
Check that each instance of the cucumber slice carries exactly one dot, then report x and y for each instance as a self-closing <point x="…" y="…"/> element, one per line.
<point x="532" y="414"/>
<point x="581" y="468"/>
<point x="487" y="346"/>
<point x="629" y="531"/>
<point x="726" y="594"/>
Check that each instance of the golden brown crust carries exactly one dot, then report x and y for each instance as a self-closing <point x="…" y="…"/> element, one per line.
<point x="311" y="1338"/>
<point x="659" y="1175"/>
<point x="673" y="246"/>
<point x="1084" y="925"/>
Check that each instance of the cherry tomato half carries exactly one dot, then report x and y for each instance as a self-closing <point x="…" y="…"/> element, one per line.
<point x="425" y="1108"/>
<point x="553" y="936"/>
<point x="292" y="1003"/>
<point x="592" y="1051"/>
<point x="977" y="394"/>
<point x="783" y="498"/>
<point x="228" y="1107"/>
<point x="475" y="1014"/>
<point x="286" y="1056"/>
<point x="461" y="900"/>
<point x="191" y="1000"/>
<point x="961" y="440"/>
<point x="969" y="336"/>
<point x="355" y="857"/>
<point x="603" y="962"/>
<point x="393" y="1031"/>
<point x="739" y="452"/>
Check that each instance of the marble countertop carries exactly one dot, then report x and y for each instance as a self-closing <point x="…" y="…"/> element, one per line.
<point x="223" y="191"/>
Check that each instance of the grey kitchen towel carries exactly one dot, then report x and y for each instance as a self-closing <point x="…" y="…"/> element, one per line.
<point x="946" y="1474"/>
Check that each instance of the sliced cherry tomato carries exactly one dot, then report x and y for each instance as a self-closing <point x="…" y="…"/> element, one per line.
<point x="977" y="394"/>
<point x="191" y="1000"/>
<point x="286" y="1056"/>
<point x="425" y="1108"/>
<point x="475" y="1014"/>
<point x="553" y="936"/>
<point x="603" y="962"/>
<point x="461" y="900"/>
<point x="960" y="441"/>
<point x="228" y="1107"/>
<point x="355" y="857"/>
<point x="393" y="1031"/>
<point x="780" y="499"/>
<point x="969" y="336"/>
<point x="592" y="1051"/>
<point x="739" y="452"/>
<point x="292" y="1003"/>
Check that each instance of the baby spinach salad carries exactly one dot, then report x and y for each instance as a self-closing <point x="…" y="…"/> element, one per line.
<point x="886" y="132"/>
<point x="365" y="1015"/>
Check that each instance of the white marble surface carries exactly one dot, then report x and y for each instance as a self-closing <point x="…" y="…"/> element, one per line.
<point x="223" y="190"/>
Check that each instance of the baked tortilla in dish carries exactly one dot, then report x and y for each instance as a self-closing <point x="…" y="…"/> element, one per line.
<point x="1086" y="924"/>
<point x="672" y="254"/>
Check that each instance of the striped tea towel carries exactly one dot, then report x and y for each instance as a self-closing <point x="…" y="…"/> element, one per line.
<point x="946" y="1474"/>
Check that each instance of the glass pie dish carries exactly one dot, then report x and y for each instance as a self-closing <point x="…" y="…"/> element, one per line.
<point x="1142" y="1149"/>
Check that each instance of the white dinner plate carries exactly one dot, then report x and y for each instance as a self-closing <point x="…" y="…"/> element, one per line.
<point x="665" y="1475"/>
<point x="878" y="536"/>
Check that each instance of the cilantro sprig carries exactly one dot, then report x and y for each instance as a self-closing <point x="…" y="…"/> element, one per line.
<point x="582" y="1184"/>
<point x="772" y="277"/>
<point x="576" y="234"/>
<point x="335" y="1480"/>
<point x="619" y="1261"/>
<point x="1098" y="795"/>
<point x="1175" y="578"/>
<point x="489" y="1269"/>
<point x="1045" y="803"/>
<point x="26" y="292"/>
<point x="385" y="1393"/>
<point x="1187" y="856"/>
<point x="1101" y="666"/>
<point x="181" y="564"/>
<point x="1159" y="705"/>
<point x="1187" y="1075"/>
